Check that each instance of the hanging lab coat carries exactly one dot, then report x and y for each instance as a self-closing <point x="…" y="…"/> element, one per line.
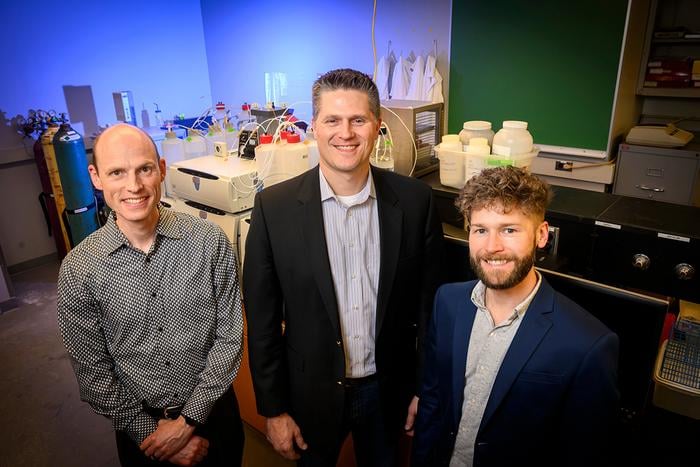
<point x="401" y="79"/>
<point x="382" y="77"/>
<point x="415" y="88"/>
<point x="432" y="82"/>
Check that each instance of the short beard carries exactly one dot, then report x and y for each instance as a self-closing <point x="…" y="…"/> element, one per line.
<point x="522" y="269"/>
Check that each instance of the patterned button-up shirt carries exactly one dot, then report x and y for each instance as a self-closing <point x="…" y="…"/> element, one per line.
<point x="163" y="327"/>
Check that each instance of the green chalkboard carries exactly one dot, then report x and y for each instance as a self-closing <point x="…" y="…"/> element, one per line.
<point x="552" y="63"/>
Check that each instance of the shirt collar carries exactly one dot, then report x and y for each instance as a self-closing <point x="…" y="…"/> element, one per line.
<point x="479" y="297"/>
<point x="114" y="238"/>
<point x="327" y="192"/>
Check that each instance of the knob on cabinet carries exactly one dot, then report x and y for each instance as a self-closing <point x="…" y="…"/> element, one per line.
<point x="684" y="271"/>
<point x="641" y="261"/>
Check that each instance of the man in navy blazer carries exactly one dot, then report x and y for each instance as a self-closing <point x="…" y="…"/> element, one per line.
<point x="515" y="373"/>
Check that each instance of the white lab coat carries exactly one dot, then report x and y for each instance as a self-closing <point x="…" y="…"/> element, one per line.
<point x="415" y="88"/>
<point x="432" y="82"/>
<point x="382" y="77"/>
<point x="401" y="79"/>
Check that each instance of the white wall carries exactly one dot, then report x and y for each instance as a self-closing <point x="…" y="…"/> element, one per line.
<point x="246" y="39"/>
<point x="153" y="48"/>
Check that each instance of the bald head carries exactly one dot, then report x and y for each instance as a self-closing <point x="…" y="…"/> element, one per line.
<point x="124" y="137"/>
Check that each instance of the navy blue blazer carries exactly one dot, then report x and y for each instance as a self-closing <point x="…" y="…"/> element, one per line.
<point x="554" y="399"/>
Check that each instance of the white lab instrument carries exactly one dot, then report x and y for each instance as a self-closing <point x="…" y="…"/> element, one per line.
<point x="228" y="222"/>
<point x="665" y="136"/>
<point x="229" y="185"/>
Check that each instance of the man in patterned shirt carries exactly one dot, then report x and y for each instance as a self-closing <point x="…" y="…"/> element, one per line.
<point x="150" y="312"/>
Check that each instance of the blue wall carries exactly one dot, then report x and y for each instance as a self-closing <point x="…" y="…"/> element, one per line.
<point x="153" y="48"/>
<point x="304" y="39"/>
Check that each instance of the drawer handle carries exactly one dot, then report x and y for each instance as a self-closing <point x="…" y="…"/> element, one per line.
<point x="649" y="188"/>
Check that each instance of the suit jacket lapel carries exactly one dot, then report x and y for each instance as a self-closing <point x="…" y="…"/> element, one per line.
<point x="315" y="242"/>
<point x="390" y="222"/>
<point x="533" y="328"/>
<point x="463" y="323"/>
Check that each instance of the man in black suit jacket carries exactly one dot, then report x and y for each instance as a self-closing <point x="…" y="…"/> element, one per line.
<point x="340" y="271"/>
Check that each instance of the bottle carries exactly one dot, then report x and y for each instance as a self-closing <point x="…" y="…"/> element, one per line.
<point x="312" y="147"/>
<point x="475" y="129"/>
<point x="268" y="166"/>
<point x="173" y="151"/>
<point x="158" y="116"/>
<point x="296" y="156"/>
<point x="381" y="157"/>
<point x="195" y="145"/>
<point x="513" y="139"/>
<point x="452" y="161"/>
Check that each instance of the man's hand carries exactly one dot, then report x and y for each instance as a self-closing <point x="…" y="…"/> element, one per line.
<point x="168" y="439"/>
<point x="411" y="418"/>
<point x="283" y="433"/>
<point x="193" y="453"/>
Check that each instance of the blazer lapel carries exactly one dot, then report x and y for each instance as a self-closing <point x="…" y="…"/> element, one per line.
<point x="533" y="328"/>
<point x="390" y="222"/>
<point x="315" y="242"/>
<point x="463" y="323"/>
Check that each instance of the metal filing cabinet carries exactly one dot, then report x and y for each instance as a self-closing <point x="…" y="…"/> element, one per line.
<point x="661" y="174"/>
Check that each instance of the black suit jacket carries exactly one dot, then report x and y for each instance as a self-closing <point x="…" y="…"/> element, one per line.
<point x="295" y="344"/>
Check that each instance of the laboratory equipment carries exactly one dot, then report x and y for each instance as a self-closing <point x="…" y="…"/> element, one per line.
<point x="665" y="136"/>
<point x="124" y="106"/>
<point x="229" y="185"/>
<point x="80" y="213"/>
<point x="416" y="128"/>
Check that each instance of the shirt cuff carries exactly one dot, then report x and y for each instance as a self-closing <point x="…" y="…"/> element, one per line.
<point x="141" y="426"/>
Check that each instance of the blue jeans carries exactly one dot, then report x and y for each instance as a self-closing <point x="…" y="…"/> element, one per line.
<point x="375" y="442"/>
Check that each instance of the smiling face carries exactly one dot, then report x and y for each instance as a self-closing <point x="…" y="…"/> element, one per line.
<point x="129" y="173"/>
<point x="502" y="245"/>
<point x="346" y="131"/>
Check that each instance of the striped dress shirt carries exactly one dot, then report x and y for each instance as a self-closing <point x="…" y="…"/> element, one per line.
<point x="352" y="237"/>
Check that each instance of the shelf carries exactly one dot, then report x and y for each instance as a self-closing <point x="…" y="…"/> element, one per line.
<point x="669" y="92"/>
<point x="679" y="40"/>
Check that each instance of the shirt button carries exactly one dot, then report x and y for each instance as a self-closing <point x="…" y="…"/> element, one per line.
<point x="148" y="260"/>
<point x="338" y="343"/>
<point x="153" y="294"/>
<point x="339" y="383"/>
<point x="160" y="328"/>
<point x="351" y="244"/>
<point x="176" y="395"/>
<point x="167" y="363"/>
<point x="355" y="307"/>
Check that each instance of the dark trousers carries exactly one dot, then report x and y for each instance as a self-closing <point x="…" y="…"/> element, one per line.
<point x="223" y="430"/>
<point x="375" y="440"/>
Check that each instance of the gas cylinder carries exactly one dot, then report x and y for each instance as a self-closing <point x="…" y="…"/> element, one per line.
<point x="49" y="153"/>
<point x="80" y="214"/>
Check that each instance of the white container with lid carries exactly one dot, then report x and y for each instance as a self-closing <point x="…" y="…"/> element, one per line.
<point x="475" y="129"/>
<point x="513" y="139"/>
<point x="452" y="161"/>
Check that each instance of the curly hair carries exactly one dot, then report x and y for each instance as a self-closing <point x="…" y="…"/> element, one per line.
<point x="345" y="79"/>
<point x="504" y="188"/>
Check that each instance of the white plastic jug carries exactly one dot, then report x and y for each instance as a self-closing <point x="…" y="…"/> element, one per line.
<point x="513" y="139"/>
